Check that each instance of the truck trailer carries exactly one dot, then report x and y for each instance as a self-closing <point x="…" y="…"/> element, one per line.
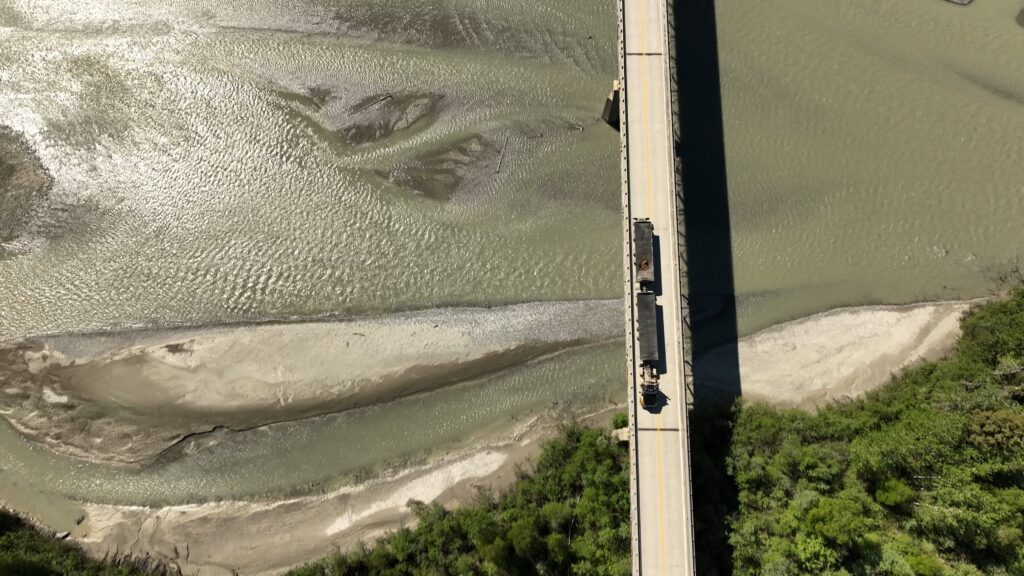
<point x="648" y="346"/>
<point x="643" y="250"/>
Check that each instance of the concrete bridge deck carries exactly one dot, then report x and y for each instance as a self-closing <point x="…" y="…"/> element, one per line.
<point x="662" y="519"/>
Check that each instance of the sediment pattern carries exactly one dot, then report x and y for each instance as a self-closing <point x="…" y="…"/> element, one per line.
<point x="129" y="398"/>
<point x="24" y="184"/>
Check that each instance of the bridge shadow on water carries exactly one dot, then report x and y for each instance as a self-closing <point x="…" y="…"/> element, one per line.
<point x="700" y="148"/>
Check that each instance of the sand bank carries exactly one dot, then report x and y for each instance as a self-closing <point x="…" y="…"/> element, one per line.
<point x="127" y="397"/>
<point x="238" y="537"/>
<point x="840" y="354"/>
<point x="822" y="358"/>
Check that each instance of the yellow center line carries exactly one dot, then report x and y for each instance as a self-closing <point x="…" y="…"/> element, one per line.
<point x="649" y="193"/>
<point x="661" y="490"/>
<point x="645" y="108"/>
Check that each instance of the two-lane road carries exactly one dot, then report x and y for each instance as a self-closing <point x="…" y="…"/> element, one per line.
<point x="660" y="477"/>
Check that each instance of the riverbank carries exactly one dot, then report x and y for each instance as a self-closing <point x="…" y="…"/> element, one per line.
<point x="257" y="538"/>
<point x="824" y="358"/>
<point x="135" y="397"/>
<point x="922" y="477"/>
<point x="839" y="354"/>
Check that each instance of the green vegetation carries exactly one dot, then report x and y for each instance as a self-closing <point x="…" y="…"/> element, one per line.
<point x="24" y="551"/>
<point x="570" y="516"/>
<point x="924" y="477"/>
<point x="620" y="420"/>
<point x="714" y="492"/>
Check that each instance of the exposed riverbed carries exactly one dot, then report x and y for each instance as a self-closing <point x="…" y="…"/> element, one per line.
<point x="135" y="397"/>
<point x="184" y="168"/>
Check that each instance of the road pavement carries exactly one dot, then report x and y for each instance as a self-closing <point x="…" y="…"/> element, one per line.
<point x="660" y="477"/>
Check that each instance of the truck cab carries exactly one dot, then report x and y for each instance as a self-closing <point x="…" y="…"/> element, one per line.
<point x="649" y="391"/>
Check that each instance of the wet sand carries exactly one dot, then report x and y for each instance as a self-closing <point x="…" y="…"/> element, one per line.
<point x="440" y="174"/>
<point x="841" y="354"/>
<point x="127" y="398"/>
<point x="198" y="148"/>
<point x="380" y="116"/>
<point x="241" y="537"/>
<point x="361" y="121"/>
<point x="823" y="358"/>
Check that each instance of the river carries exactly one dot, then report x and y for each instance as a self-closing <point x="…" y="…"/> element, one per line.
<point x="247" y="161"/>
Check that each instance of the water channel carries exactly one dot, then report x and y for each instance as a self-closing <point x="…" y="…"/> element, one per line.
<point x="208" y="166"/>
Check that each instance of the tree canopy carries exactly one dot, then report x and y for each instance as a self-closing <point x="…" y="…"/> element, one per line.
<point x="570" y="515"/>
<point x="24" y="551"/>
<point x="922" y="477"/>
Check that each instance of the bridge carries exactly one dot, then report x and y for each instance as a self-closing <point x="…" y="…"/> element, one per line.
<point x="662" y="520"/>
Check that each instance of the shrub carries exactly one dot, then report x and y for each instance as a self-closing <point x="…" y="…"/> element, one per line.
<point x="940" y="451"/>
<point x="620" y="420"/>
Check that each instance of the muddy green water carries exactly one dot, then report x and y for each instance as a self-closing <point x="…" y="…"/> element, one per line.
<point x="197" y="180"/>
<point x="874" y="155"/>
<point x="874" y="151"/>
<point x="316" y="453"/>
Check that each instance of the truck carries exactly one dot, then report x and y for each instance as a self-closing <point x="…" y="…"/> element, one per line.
<point x="647" y="347"/>
<point x="643" y="250"/>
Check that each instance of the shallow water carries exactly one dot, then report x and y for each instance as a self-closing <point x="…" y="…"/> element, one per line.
<point x="209" y="188"/>
<point x="318" y="452"/>
<point x="874" y="151"/>
<point x="201" y="175"/>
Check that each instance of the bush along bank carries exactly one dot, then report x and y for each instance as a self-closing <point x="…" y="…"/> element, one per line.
<point x="569" y="516"/>
<point x="922" y="477"/>
<point x="27" y="551"/>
